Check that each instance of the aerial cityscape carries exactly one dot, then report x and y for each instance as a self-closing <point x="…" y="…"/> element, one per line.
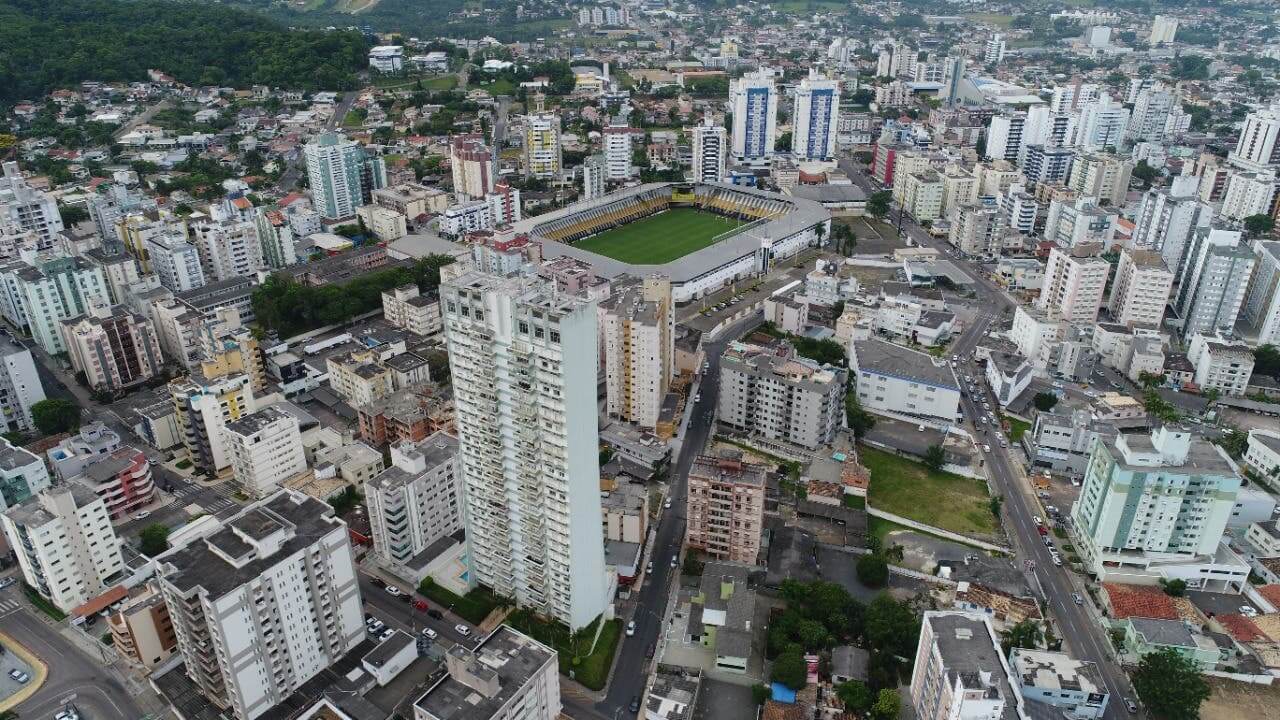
<point x="639" y="359"/>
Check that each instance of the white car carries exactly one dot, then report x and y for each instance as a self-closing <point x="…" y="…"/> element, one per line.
<point x="394" y="591"/>
<point x="675" y="560"/>
<point x="142" y="515"/>
<point x="429" y="633"/>
<point x="1057" y="560"/>
<point x="667" y="504"/>
<point x="1248" y="611"/>
<point x="386" y="634"/>
<point x="697" y="398"/>
<point x="986" y="448"/>
<point x="375" y="627"/>
<point x="631" y="628"/>
<point x="66" y="715"/>
<point x="463" y="630"/>
<point x="19" y="675"/>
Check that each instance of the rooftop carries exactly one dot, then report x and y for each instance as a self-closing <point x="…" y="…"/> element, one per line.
<point x="1055" y="671"/>
<point x="479" y="683"/>
<point x="969" y="651"/>
<point x="885" y="358"/>
<point x="1142" y="601"/>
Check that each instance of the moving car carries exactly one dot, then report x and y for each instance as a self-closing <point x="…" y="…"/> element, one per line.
<point x="142" y="515"/>
<point x="429" y="633"/>
<point x="675" y="560"/>
<point x="393" y="591"/>
<point x="634" y="705"/>
<point x="6" y="582"/>
<point x="1037" y="520"/>
<point x="1131" y="706"/>
<point x="1077" y="599"/>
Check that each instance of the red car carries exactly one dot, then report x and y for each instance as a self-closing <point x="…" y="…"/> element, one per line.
<point x="420" y="604"/>
<point x="1042" y="530"/>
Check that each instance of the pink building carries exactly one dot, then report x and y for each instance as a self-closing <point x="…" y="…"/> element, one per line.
<point x="726" y="507"/>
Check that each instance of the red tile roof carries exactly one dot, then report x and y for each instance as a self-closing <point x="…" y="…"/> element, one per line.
<point x="1141" y="601"/>
<point x="102" y="602"/>
<point x="1271" y="593"/>
<point x="1240" y="627"/>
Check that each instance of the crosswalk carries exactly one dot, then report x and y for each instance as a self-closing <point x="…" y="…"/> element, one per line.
<point x="9" y="606"/>
<point x="216" y="500"/>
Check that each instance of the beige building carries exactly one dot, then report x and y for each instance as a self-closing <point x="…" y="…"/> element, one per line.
<point x="922" y="195"/>
<point x="383" y="222"/>
<point x="1074" y="281"/>
<point x="412" y="200"/>
<point x="227" y="348"/>
<point x="114" y="347"/>
<point x="407" y="308"/>
<point x="638" y="328"/>
<point x="726" y="507"/>
<point x="995" y="177"/>
<point x="1141" y="288"/>
<point x="625" y="513"/>
<point x="142" y="630"/>
<point x="1101" y="175"/>
<point x="959" y="187"/>
<point x="358" y="378"/>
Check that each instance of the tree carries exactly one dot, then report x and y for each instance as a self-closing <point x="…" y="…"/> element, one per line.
<point x="154" y="539"/>
<point x="873" y="570"/>
<point x="995" y="504"/>
<point x="1144" y="172"/>
<point x="1174" y="588"/>
<point x="878" y="203"/>
<point x="855" y="695"/>
<point x="935" y="457"/>
<point x="1257" y="225"/>
<point x="1044" y="401"/>
<point x="1170" y="685"/>
<point x="887" y="706"/>
<point x="860" y="421"/>
<point x="1026" y="635"/>
<point x="1266" y="360"/>
<point x="55" y="415"/>
<point x="790" y="668"/>
<point x="1149" y="380"/>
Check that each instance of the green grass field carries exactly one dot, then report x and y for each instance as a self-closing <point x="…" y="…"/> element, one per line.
<point x="659" y="238"/>
<point x="907" y="488"/>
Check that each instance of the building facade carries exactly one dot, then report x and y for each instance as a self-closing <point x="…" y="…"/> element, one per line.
<point x="726" y="508"/>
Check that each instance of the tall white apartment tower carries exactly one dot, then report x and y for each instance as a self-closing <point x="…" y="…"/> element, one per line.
<point x="266" y="450"/>
<point x="754" y="99"/>
<point x="265" y="602"/>
<point x="1259" y="143"/>
<point x="1212" y="282"/>
<point x="817" y="108"/>
<point x="1074" y="280"/>
<point x="639" y="349"/>
<point x="593" y="175"/>
<point x="1163" y="30"/>
<point x="1167" y="217"/>
<point x="617" y="139"/>
<point x="1141" y="288"/>
<point x="1262" y="302"/>
<point x="710" y="148"/>
<point x="27" y="208"/>
<point x="524" y="359"/>
<point x="993" y="52"/>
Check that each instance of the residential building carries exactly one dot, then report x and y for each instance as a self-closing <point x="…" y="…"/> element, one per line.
<point x="1102" y="124"/>
<point x="1263" y="453"/>
<point x="1163" y="30"/>
<point x="1074" y="281"/>
<point x="264" y="603"/>
<point x="543" y="154"/>
<point x="617" y="139"/>
<point x="1152" y="108"/>
<point x="593" y="177"/>
<point x="721" y="614"/>
<point x="341" y="177"/>
<point x="894" y="379"/>
<point x="1222" y="366"/>
<point x="122" y="479"/>
<point x="1212" y="282"/>
<point x="114" y="347"/>
<point x="27" y="208"/>
<point x="266" y="450"/>
<point x="386" y="225"/>
<point x="508" y="676"/>
<point x="22" y="474"/>
<point x="776" y="394"/>
<point x="471" y="162"/>
<point x="1019" y="209"/>
<point x="975" y="229"/>
<point x="1101" y="175"/>
<point x="726" y="507"/>
<point x="1262" y="299"/>
<point x="1008" y="376"/>
<point x="922" y="195"/>
<point x="710" y="150"/>
<point x="504" y="205"/>
<point x="228" y="347"/>
<point x="20" y="386"/>
<point x="141" y="629"/>
<point x="359" y="377"/>
<point x="228" y="247"/>
<point x="814" y="118"/>
<point x="407" y="308"/>
<point x="204" y="406"/>
<point x="466" y="217"/>
<point x="75" y="453"/>
<point x="416" y="201"/>
<point x="1047" y="165"/>
<point x="1249" y="194"/>
<point x="416" y="501"/>
<point x="519" y="353"/>
<point x="754" y="102"/>
<point x="1075" y="687"/>
<point x="993" y="50"/>
<point x="1141" y="288"/>
<point x="52" y="290"/>
<point x="276" y="238"/>
<point x="1259" y="144"/>
<point x="1071" y="223"/>
<point x="626" y="513"/>
<point x="1155" y="505"/>
<point x="65" y="545"/>
<point x="176" y="262"/>
<point x="960" y="672"/>
<point x="119" y="268"/>
<point x="1167" y="218"/>
<point x="638" y="324"/>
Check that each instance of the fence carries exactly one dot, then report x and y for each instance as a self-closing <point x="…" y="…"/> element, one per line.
<point x="930" y="529"/>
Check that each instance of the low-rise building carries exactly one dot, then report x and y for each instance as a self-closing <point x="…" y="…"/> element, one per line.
<point x="1007" y="376"/>
<point x="406" y="307"/>
<point x="960" y="670"/>
<point x="1060" y="681"/>
<point x="891" y="378"/>
<point x="1263" y="453"/>
<point x="507" y="676"/>
<point x="122" y="479"/>
<point x="626" y="513"/>
<point x="721" y="615"/>
<point x="22" y="474"/>
<point x="266" y="450"/>
<point x="141" y="629"/>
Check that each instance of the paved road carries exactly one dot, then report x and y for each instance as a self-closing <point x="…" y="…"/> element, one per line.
<point x="396" y="612"/>
<point x="631" y="670"/>
<point x="1082" y="634"/>
<point x="73" y="676"/>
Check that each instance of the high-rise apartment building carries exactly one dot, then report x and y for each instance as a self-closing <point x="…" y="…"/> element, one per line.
<point x="543" y="152"/>
<point x="175" y="261"/>
<point x="1262" y="299"/>
<point x="617" y="139"/>
<point x="416" y="501"/>
<point x="1167" y="218"/>
<point x="509" y="676"/>
<point x="780" y="395"/>
<point x="471" y="163"/>
<point x="593" y="177"/>
<point x="726" y="507"/>
<point x="20" y="386"/>
<point x="114" y="347"/>
<point x="1259" y="145"/>
<point x="710" y="150"/>
<point x="1212" y="282"/>
<point x="994" y="49"/>
<point x="1141" y="288"/>
<point x="266" y="450"/>
<point x="1250" y="193"/>
<point x="204" y="406"/>
<point x="754" y="99"/>
<point x="527" y="426"/>
<point x="1221" y="366"/>
<point x="1163" y="30"/>
<point x="65" y="544"/>
<point x="228" y="248"/>
<point x="1101" y="175"/>
<point x="277" y="239"/>
<point x="814" y="118"/>
<point x="227" y="347"/>
<point x="975" y="229"/>
<point x="264" y="603"/>
<point x="1074" y="281"/>
<point x="26" y="208"/>
<point x="638" y="324"/>
<point x="342" y="178"/>
<point x="1102" y="124"/>
<point x="51" y="289"/>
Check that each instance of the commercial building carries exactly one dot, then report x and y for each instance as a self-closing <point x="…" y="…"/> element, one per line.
<point x="754" y="102"/>
<point x="726" y="507"/>
<point x="141" y="629"/>
<point x="341" y="177"/>
<point x="266" y="450"/>
<point x="508" y="676"/>
<point x="891" y="378"/>
<point x="1156" y="505"/>
<point x="519" y="354"/>
<point x="1212" y="282"/>
<point x="960" y="671"/>
<point x="387" y="58"/>
<point x="264" y="603"/>
<point x="1222" y="366"/>
<point x="814" y="118"/>
<point x="1141" y="289"/>
<point x="710" y="150"/>
<point x="1074" y="281"/>
<point x="65" y="545"/>
<point x="638" y="325"/>
<point x="416" y="501"/>
<point x="114" y="347"/>
<point x="776" y="394"/>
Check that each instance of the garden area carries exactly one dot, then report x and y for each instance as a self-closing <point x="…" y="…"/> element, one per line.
<point x="944" y="500"/>
<point x="473" y="607"/>
<point x="586" y="664"/>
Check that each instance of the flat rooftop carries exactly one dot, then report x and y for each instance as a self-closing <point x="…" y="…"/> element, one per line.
<point x="896" y="361"/>
<point x="506" y="659"/>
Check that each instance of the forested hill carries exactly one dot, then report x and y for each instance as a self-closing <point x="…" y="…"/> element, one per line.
<point x="47" y="44"/>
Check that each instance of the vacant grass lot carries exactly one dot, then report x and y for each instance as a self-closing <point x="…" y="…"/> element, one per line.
<point x="659" y="238"/>
<point x="940" y="499"/>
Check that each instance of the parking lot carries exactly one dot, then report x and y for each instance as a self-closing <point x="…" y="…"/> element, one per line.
<point x="9" y="662"/>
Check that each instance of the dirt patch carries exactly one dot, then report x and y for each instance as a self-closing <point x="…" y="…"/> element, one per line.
<point x="1233" y="700"/>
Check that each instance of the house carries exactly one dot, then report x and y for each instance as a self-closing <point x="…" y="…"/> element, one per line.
<point x="721" y="613"/>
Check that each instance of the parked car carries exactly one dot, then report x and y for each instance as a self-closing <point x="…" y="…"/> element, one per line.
<point x="1077" y="599"/>
<point x="392" y="590"/>
<point x="420" y="604"/>
<point x="67" y="714"/>
<point x="142" y="515"/>
<point x="386" y="634"/>
<point x="375" y="628"/>
<point x="1131" y="706"/>
<point x="463" y="630"/>
<point x="6" y="582"/>
<point x="1057" y="560"/>
<point x="429" y="633"/>
<point x="1042" y="530"/>
<point x="631" y="628"/>
<point x="434" y="613"/>
<point x="634" y="705"/>
<point x="18" y="675"/>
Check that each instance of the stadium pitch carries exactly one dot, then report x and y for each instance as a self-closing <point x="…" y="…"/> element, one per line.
<point x="660" y="238"/>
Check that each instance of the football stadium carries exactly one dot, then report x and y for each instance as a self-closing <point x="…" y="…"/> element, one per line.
<point x="701" y="235"/>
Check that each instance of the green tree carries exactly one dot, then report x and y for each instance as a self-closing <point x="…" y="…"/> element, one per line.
<point x="55" y="415"/>
<point x="790" y="668"/>
<point x="72" y="214"/>
<point x="1257" y="225"/>
<point x="860" y="421"/>
<point x="1044" y="401"/>
<point x="935" y="457"/>
<point x="891" y="629"/>
<point x="873" y="570"/>
<point x="1026" y="635"/>
<point x="878" y="203"/>
<point x="1174" y="588"/>
<point x="855" y="695"/>
<point x="995" y="504"/>
<point x="1170" y="685"/>
<point x="887" y="706"/>
<point x="1149" y="380"/>
<point x="153" y="540"/>
<point x="1266" y="360"/>
<point x="1144" y="172"/>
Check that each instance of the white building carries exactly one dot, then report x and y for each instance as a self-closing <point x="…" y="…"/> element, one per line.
<point x="638" y="325"/>
<point x="204" y="406"/>
<point x="1072" y="223"/>
<point x="26" y="208"/>
<point x="975" y="229"/>
<point x="1221" y="365"/>
<point x="1163" y="30"/>
<point x="993" y="50"/>
<point x="1263" y="453"/>
<point x="1101" y="175"/>
<point x="387" y="58"/>
<point x="1075" y="687"/>
<point x="1141" y="288"/>
<point x="1259" y="145"/>
<point x="1262" y="300"/>
<point x="1212" y="282"/>
<point x="1249" y="194"/>
<point x="1008" y="376"/>
<point x="1102" y="124"/>
<point x="20" y="387"/>
<point x="504" y="205"/>
<point x="340" y="175"/>
<point x="416" y="501"/>
<point x="264" y="603"/>
<point x="266" y="450"/>
<point x="1166" y="219"/>
<point x="175" y="262"/>
<point x="406" y="307"/>
<point x="1019" y="210"/>
<point x="817" y="109"/>
<point x="710" y="150"/>
<point x="276" y="237"/>
<point x="22" y="474"/>
<point x="466" y="217"/>
<point x="509" y="676"/>
<point x="593" y="177"/>
<point x="617" y="138"/>
<point x="754" y="102"/>
<point x="51" y="290"/>
<point x="894" y="379"/>
<point x="780" y="396"/>
<point x="520" y="353"/>
<point x="1074" y="281"/>
<point x="65" y="544"/>
<point x="960" y="672"/>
